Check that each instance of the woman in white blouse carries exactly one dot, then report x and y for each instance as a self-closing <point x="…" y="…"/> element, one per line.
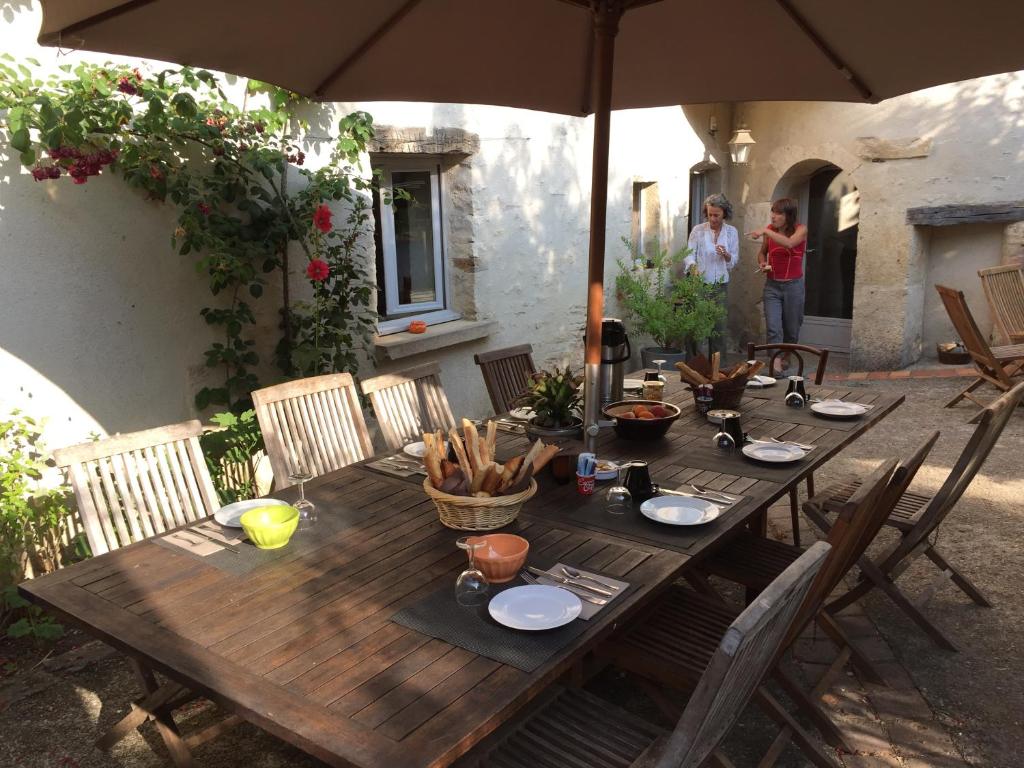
<point x="714" y="251"/>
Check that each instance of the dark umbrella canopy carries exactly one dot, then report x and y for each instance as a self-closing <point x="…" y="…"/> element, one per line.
<point x="574" y="57"/>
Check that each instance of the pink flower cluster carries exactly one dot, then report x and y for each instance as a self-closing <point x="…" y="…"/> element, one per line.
<point x="78" y="165"/>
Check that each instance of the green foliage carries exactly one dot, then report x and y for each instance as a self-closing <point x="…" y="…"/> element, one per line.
<point x="229" y="450"/>
<point x="666" y="309"/>
<point x="176" y="137"/>
<point x="34" y="622"/>
<point x="554" y="396"/>
<point x="32" y="516"/>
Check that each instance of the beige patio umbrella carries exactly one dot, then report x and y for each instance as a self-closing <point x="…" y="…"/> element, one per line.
<point x="575" y="57"/>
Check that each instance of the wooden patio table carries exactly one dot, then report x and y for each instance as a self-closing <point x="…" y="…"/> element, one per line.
<point x="303" y="645"/>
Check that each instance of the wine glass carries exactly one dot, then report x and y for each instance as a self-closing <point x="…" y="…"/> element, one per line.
<point x="471" y="587"/>
<point x="617" y="499"/>
<point x="307" y="509"/>
<point x="659" y="363"/>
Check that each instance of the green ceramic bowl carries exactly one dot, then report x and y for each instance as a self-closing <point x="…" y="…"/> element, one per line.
<point x="270" y="527"/>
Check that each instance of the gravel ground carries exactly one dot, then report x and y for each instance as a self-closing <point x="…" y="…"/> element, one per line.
<point x="50" y="715"/>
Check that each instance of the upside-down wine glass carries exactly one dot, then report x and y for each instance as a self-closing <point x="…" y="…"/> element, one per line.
<point x="307" y="509"/>
<point x="472" y="586"/>
<point x="618" y="499"/>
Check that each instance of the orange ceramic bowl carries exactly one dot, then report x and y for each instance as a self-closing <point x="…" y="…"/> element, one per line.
<point x="501" y="557"/>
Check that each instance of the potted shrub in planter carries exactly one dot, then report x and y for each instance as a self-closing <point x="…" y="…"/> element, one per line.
<point x="556" y="401"/>
<point x="670" y="310"/>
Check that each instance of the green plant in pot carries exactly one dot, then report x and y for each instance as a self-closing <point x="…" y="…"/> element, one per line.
<point x="556" y="402"/>
<point x="667" y="308"/>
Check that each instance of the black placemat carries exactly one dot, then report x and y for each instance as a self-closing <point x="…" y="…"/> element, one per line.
<point x="635" y="526"/>
<point x="440" y="616"/>
<point x="703" y="455"/>
<point x="775" y="411"/>
<point x="250" y="557"/>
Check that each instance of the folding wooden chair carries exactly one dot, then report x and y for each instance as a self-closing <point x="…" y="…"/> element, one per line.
<point x="131" y="487"/>
<point x="1004" y="290"/>
<point x="573" y="728"/>
<point x="669" y="645"/>
<point x="313" y="424"/>
<point x="774" y="351"/>
<point x="506" y="373"/>
<point x="995" y="365"/>
<point x="408" y="403"/>
<point x="917" y="517"/>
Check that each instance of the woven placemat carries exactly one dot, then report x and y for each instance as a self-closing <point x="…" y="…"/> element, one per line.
<point x="703" y="455"/>
<point x="776" y="411"/>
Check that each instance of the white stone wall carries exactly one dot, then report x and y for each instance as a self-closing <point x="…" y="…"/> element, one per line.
<point x="99" y="323"/>
<point x="972" y="142"/>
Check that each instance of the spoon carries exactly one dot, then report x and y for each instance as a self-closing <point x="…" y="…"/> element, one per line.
<point x="572" y="573"/>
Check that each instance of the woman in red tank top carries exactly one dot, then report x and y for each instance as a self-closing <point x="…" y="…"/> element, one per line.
<point x="781" y="259"/>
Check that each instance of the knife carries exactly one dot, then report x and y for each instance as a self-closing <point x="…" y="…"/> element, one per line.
<point x="573" y="582"/>
<point x="208" y="537"/>
<point x="697" y="496"/>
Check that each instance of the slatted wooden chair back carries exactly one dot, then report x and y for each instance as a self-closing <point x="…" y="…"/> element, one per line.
<point x="972" y="337"/>
<point x="990" y="426"/>
<point x="793" y="350"/>
<point x="130" y="487"/>
<point x="409" y="403"/>
<point x="313" y="424"/>
<point x="859" y="521"/>
<point x="743" y="657"/>
<point x="1004" y="290"/>
<point x="506" y="373"/>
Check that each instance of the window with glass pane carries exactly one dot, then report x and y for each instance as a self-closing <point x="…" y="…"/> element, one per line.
<point x="410" y="259"/>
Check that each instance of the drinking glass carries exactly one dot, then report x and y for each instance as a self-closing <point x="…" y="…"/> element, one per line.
<point x="307" y="509"/>
<point x="618" y="499"/>
<point x="659" y="363"/>
<point x="471" y="587"/>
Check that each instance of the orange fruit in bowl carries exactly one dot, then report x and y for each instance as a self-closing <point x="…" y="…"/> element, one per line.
<point x="638" y="409"/>
<point x="646" y="415"/>
<point x="627" y="415"/>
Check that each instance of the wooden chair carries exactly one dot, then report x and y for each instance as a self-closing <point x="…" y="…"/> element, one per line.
<point x="314" y="424"/>
<point x="409" y="403"/>
<point x="130" y="487"/>
<point x="775" y="350"/>
<point x="995" y="365"/>
<point x="669" y="645"/>
<point x="1004" y="290"/>
<point x="506" y="373"/>
<point x="573" y="728"/>
<point x="917" y="517"/>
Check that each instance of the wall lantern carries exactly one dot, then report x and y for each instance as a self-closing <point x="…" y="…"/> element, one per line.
<point x="739" y="146"/>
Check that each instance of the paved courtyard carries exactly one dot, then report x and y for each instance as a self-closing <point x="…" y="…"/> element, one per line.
<point x="941" y="710"/>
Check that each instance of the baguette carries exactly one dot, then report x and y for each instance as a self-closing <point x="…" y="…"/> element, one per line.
<point x="476" y="459"/>
<point x="687" y="374"/>
<point x="753" y="370"/>
<point x="492" y="438"/>
<point x="531" y="455"/>
<point x="460" y="450"/>
<point x="477" y="483"/>
<point x="511" y="470"/>
<point x="492" y="480"/>
<point x="448" y="468"/>
<point x="716" y="360"/>
<point x="433" y="466"/>
<point x="544" y="457"/>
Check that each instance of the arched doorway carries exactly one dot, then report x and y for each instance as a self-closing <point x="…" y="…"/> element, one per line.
<point x="830" y="206"/>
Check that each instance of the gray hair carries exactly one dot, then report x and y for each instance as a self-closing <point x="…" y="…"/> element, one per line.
<point x="718" y="200"/>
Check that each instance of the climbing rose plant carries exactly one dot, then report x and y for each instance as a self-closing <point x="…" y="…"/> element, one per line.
<point x="245" y="203"/>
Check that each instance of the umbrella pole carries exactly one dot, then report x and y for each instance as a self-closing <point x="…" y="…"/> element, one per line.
<point x="606" y="17"/>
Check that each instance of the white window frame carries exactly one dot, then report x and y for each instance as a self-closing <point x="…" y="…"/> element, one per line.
<point x="430" y="312"/>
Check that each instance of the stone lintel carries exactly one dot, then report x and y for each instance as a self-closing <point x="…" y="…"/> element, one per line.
<point x="948" y="215"/>
<point x="441" y="141"/>
<point x="878" y="150"/>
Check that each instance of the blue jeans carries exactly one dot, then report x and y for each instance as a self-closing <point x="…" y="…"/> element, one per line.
<point x="783" y="310"/>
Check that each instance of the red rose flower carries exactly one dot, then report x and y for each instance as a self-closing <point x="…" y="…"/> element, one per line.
<point x="322" y="219"/>
<point x="203" y="208"/>
<point x="317" y="270"/>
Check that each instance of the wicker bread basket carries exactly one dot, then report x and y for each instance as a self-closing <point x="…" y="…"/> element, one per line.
<point x="470" y="513"/>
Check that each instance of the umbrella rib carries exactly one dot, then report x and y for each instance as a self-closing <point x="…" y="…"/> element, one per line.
<point x="78" y="26"/>
<point x="831" y="55"/>
<point x="366" y="45"/>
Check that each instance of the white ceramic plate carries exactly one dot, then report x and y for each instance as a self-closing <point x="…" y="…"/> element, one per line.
<point x="632" y="384"/>
<point x="522" y="414"/>
<point x="773" y="453"/>
<point x="416" y="449"/>
<point x="837" y="409"/>
<point x="534" y="607"/>
<point x="679" y="510"/>
<point x="759" y="381"/>
<point x="229" y="515"/>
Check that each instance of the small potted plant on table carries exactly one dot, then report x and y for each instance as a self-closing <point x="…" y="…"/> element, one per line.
<point x="670" y="310"/>
<point x="556" y="401"/>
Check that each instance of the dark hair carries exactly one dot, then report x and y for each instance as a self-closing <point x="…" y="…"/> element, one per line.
<point x="788" y="207"/>
<point x="717" y="200"/>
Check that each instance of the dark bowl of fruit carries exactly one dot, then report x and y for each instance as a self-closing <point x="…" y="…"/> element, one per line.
<point x="641" y="419"/>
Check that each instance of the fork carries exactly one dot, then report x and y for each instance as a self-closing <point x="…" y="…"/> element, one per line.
<point x="710" y="492"/>
<point x="530" y="579"/>
<point x="801" y="446"/>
